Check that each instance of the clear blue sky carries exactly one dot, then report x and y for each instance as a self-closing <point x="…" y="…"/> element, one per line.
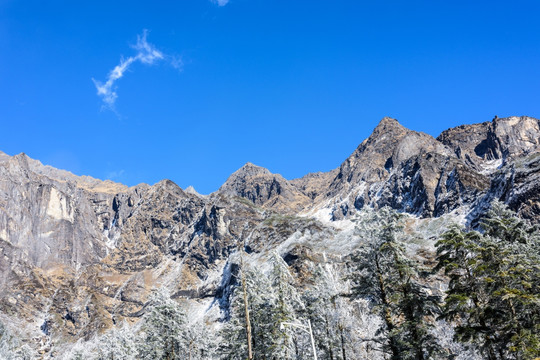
<point x="293" y="86"/>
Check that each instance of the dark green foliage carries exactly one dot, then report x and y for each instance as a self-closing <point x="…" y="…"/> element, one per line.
<point x="493" y="294"/>
<point x="391" y="280"/>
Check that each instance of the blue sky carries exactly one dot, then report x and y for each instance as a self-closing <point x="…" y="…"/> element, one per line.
<point x="293" y="86"/>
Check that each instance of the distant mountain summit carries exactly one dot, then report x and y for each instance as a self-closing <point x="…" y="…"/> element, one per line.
<point x="263" y="188"/>
<point x="499" y="139"/>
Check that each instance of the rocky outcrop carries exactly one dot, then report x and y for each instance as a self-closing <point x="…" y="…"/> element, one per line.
<point x="431" y="184"/>
<point x="314" y="185"/>
<point x="388" y="146"/>
<point x="415" y="173"/>
<point x="406" y="170"/>
<point x="265" y="189"/>
<point x="501" y="139"/>
<point x="50" y="221"/>
<point x="518" y="185"/>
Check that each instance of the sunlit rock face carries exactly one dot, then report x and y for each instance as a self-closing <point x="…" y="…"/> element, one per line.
<point x="79" y="255"/>
<point x="501" y="139"/>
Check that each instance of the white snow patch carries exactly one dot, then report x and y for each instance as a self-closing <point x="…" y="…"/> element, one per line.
<point x="490" y="166"/>
<point x="4" y="235"/>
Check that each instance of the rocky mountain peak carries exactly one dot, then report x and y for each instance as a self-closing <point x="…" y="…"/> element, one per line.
<point x="388" y="124"/>
<point x="497" y="140"/>
<point x="263" y="188"/>
<point x="517" y="135"/>
<point x="246" y="173"/>
<point x="250" y="169"/>
<point x="191" y="190"/>
<point x="21" y="159"/>
<point x="389" y="145"/>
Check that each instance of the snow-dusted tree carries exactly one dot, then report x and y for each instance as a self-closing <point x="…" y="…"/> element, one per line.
<point x="324" y="317"/>
<point x="200" y="341"/>
<point x="163" y="332"/>
<point x="118" y="344"/>
<point x="272" y="300"/>
<point x="285" y="305"/>
<point x="11" y="348"/>
<point x="390" y="279"/>
<point x="248" y="295"/>
<point x="340" y="326"/>
<point x="494" y="290"/>
<point x="233" y="337"/>
<point x="82" y="350"/>
<point x="344" y="328"/>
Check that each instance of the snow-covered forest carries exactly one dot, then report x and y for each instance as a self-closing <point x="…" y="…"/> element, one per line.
<point x="461" y="294"/>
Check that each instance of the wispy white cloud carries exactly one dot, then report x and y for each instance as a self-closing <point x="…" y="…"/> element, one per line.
<point x="114" y="175"/>
<point x="221" y="2"/>
<point x="146" y="54"/>
<point x="176" y="62"/>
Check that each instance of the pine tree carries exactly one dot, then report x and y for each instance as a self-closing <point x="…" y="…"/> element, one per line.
<point x="254" y="293"/>
<point x="200" y="341"/>
<point x="271" y="301"/>
<point x="118" y="344"/>
<point x="493" y="294"/>
<point x="12" y="348"/>
<point x="284" y="309"/>
<point x="388" y="278"/>
<point x="164" y="329"/>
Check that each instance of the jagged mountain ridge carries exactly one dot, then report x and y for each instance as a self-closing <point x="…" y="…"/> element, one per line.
<point x="407" y="170"/>
<point x="79" y="254"/>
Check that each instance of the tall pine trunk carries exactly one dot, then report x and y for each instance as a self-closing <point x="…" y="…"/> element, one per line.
<point x="246" y="310"/>
<point x="387" y="314"/>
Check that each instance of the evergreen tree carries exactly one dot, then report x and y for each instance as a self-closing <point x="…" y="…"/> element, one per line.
<point x="344" y="329"/>
<point x="271" y="301"/>
<point x="258" y="293"/>
<point x="388" y="278"/>
<point x="118" y="344"/>
<point x="233" y="337"/>
<point x="12" y="348"/>
<point x="200" y="341"/>
<point x="82" y="350"/>
<point x="164" y="330"/>
<point x="285" y="305"/>
<point x="493" y="294"/>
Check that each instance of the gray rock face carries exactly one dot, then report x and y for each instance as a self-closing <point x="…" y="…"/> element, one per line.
<point x="518" y="185"/>
<point x="389" y="145"/>
<point x="415" y="173"/>
<point x="403" y="169"/>
<point x="50" y="221"/>
<point x="502" y="138"/>
<point x="263" y="188"/>
<point x="431" y="185"/>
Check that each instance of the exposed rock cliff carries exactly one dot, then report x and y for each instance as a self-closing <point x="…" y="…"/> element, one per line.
<point x="500" y="139"/>
<point x="265" y="189"/>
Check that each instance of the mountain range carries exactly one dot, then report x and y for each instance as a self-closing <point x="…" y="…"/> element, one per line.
<point x="79" y="255"/>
